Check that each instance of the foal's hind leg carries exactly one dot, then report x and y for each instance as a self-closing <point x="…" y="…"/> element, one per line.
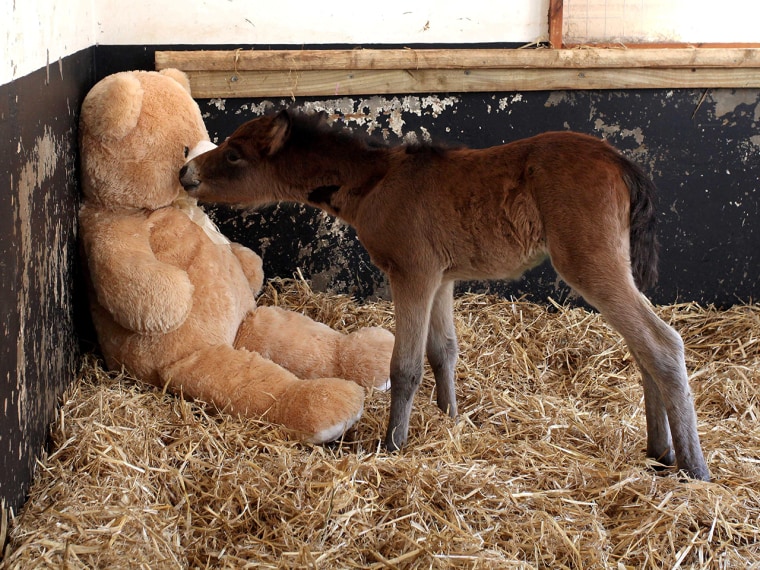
<point x="442" y="348"/>
<point x="660" y="353"/>
<point x="659" y="441"/>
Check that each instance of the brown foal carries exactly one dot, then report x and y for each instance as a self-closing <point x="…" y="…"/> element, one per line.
<point x="429" y="216"/>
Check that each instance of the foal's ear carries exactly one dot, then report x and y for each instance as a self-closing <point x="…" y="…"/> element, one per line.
<point x="279" y="132"/>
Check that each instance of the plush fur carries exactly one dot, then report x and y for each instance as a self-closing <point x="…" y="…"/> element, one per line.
<point x="173" y="300"/>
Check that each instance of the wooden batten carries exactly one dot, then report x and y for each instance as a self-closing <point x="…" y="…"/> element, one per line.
<point x="251" y="73"/>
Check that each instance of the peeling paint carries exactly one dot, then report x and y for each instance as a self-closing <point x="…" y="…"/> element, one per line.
<point x="218" y="103"/>
<point x="557" y="98"/>
<point x="505" y="102"/>
<point x="607" y="130"/>
<point x="370" y="113"/>
<point x="729" y="101"/>
<point x="43" y="265"/>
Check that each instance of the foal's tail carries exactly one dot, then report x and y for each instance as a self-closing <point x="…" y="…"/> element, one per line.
<point x="643" y="237"/>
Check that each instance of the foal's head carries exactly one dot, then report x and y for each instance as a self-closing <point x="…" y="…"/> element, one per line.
<point x="241" y="169"/>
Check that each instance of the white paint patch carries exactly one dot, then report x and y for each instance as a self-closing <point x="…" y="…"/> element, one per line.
<point x="218" y="103"/>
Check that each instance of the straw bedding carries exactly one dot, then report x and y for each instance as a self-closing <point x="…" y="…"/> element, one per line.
<point x="544" y="468"/>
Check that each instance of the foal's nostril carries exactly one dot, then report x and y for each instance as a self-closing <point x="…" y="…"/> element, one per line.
<point x="182" y="171"/>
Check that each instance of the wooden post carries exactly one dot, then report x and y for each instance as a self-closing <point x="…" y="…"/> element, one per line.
<point x="555" y="23"/>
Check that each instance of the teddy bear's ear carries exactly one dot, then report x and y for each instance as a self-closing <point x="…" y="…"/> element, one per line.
<point x="178" y="76"/>
<point x="112" y="107"/>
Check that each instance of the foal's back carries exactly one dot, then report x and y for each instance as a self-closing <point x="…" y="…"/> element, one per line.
<point x="487" y="213"/>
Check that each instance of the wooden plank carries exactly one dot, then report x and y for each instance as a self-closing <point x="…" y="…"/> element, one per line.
<point x="420" y="59"/>
<point x="210" y="84"/>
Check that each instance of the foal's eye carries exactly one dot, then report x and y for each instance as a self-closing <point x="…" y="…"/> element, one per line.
<point x="232" y="156"/>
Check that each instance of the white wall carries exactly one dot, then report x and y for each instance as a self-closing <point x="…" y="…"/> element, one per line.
<point x="38" y="32"/>
<point x="332" y="21"/>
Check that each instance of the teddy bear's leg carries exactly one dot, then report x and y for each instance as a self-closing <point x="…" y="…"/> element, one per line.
<point x="313" y="350"/>
<point x="245" y="383"/>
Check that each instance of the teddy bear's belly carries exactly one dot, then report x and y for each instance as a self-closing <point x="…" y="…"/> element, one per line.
<point x="222" y="294"/>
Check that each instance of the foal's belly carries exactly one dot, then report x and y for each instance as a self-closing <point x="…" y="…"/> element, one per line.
<point x="507" y="266"/>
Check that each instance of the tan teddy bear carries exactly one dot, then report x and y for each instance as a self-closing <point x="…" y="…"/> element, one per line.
<point x="172" y="299"/>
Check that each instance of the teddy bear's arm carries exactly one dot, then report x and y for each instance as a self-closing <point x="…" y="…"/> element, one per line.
<point x="252" y="266"/>
<point x="141" y="293"/>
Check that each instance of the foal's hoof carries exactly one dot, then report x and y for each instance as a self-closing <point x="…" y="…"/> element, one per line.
<point x="391" y="443"/>
<point x="662" y="461"/>
<point x="699" y="473"/>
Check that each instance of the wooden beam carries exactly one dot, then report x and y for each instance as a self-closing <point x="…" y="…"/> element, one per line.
<point x="250" y="73"/>
<point x="209" y="84"/>
<point x="312" y="60"/>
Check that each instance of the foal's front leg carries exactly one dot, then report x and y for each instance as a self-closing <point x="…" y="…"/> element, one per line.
<point x="442" y="348"/>
<point x="412" y="300"/>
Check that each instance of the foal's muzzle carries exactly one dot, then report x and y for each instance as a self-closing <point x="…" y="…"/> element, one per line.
<point x="188" y="179"/>
<point x="188" y="175"/>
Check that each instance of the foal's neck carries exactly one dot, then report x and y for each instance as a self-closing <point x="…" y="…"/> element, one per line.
<point x="336" y="172"/>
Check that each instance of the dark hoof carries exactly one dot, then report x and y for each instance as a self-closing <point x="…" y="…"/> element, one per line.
<point x="393" y="441"/>
<point x="699" y="473"/>
<point x="664" y="460"/>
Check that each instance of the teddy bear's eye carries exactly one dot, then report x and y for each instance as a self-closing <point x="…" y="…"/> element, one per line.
<point x="187" y="151"/>
<point x="232" y="156"/>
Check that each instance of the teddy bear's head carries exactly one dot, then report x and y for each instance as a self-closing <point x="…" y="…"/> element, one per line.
<point x="136" y="128"/>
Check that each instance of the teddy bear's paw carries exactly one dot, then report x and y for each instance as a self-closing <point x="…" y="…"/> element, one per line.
<point x="252" y="266"/>
<point x="333" y="432"/>
<point x="321" y="410"/>
<point x="366" y="357"/>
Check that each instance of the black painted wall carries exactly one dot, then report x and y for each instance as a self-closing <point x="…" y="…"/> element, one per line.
<point x="701" y="147"/>
<point x="39" y="197"/>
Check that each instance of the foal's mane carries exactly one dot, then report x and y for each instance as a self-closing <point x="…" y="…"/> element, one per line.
<point x="312" y="128"/>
